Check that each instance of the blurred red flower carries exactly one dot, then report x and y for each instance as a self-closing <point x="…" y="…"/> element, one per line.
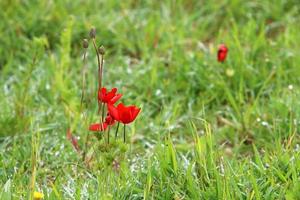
<point x="98" y="127"/>
<point x="222" y="52"/>
<point x="124" y="114"/>
<point x="109" y="120"/>
<point x="108" y="97"/>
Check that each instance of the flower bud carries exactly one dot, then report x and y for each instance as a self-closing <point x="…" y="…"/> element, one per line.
<point x="101" y="50"/>
<point x="222" y="53"/>
<point x="85" y="43"/>
<point x="93" y="33"/>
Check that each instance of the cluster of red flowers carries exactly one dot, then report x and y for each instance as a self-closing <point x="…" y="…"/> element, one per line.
<point x="109" y="113"/>
<point x="120" y="113"/>
<point x="107" y="99"/>
<point x="126" y="114"/>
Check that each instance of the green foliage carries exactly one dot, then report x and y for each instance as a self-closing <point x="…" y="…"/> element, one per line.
<point x="206" y="131"/>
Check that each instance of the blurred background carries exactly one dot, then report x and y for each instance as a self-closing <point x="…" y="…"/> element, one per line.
<point x="162" y="55"/>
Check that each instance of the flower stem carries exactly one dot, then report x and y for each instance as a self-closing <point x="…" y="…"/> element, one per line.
<point x="124" y="134"/>
<point x="103" y="107"/>
<point x="99" y="75"/>
<point x="116" y="134"/>
<point x="99" y="64"/>
<point x="101" y="70"/>
<point x="108" y="134"/>
<point x="85" y="147"/>
<point x="82" y="97"/>
<point x="83" y="78"/>
<point x="101" y="116"/>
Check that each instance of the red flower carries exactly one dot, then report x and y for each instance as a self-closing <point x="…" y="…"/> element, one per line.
<point x="108" y="97"/>
<point x="222" y="53"/>
<point x="122" y="113"/>
<point x="109" y="120"/>
<point x="98" y="127"/>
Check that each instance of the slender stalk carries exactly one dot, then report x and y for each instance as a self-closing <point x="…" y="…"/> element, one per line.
<point x="33" y="165"/>
<point x="85" y="147"/>
<point x="83" y="78"/>
<point x="99" y="64"/>
<point x="116" y="134"/>
<point x="99" y="106"/>
<point x="84" y="69"/>
<point x="108" y="134"/>
<point x="102" y="116"/>
<point x="124" y="133"/>
<point x="26" y="85"/>
<point x="101" y="69"/>
<point x="99" y="76"/>
<point x="103" y="111"/>
<point x="35" y="143"/>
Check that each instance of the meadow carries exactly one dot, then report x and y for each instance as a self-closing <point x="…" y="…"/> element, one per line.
<point x="206" y="130"/>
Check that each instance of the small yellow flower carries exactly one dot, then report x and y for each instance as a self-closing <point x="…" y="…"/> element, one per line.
<point x="38" y="196"/>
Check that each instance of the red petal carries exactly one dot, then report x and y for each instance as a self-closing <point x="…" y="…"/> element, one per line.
<point x="221" y="56"/>
<point x="135" y="112"/>
<point x="114" y="90"/>
<point x="101" y="94"/>
<point x="113" y="111"/>
<point x="222" y="52"/>
<point x="109" y="120"/>
<point x="223" y="47"/>
<point x="125" y="116"/>
<point x="121" y="107"/>
<point x="103" y="90"/>
<point x="108" y="97"/>
<point x="115" y="98"/>
<point x="98" y="127"/>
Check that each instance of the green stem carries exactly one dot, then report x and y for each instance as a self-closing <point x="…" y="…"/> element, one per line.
<point x="85" y="147"/>
<point x="101" y="116"/>
<point x="101" y="70"/>
<point x="83" y="78"/>
<point x="124" y="134"/>
<point x="103" y="107"/>
<point x="99" y="74"/>
<point x="99" y="64"/>
<point x="108" y="134"/>
<point x="116" y="134"/>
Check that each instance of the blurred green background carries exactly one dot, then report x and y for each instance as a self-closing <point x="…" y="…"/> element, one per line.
<point x="162" y="57"/>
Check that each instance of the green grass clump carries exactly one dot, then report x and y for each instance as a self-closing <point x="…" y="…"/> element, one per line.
<point x="206" y="131"/>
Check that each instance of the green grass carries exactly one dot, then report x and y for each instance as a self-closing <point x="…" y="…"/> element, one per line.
<point x="202" y="133"/>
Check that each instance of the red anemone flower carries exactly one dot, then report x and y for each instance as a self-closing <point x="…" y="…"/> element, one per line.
<point x="98" y="127"/>
<point x="222" y="52"/>
<point x="108" y="97"/>
<point x="124" y="114"/>
<point x="109" y="120"/>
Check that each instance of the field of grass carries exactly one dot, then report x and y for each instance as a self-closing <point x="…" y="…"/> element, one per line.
<point x="207" y="130"/>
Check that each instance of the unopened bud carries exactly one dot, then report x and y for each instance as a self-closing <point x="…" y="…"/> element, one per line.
<point x="93" y="33"/>
<point x="101" y="50"/>
<point x="85" y="43"/>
